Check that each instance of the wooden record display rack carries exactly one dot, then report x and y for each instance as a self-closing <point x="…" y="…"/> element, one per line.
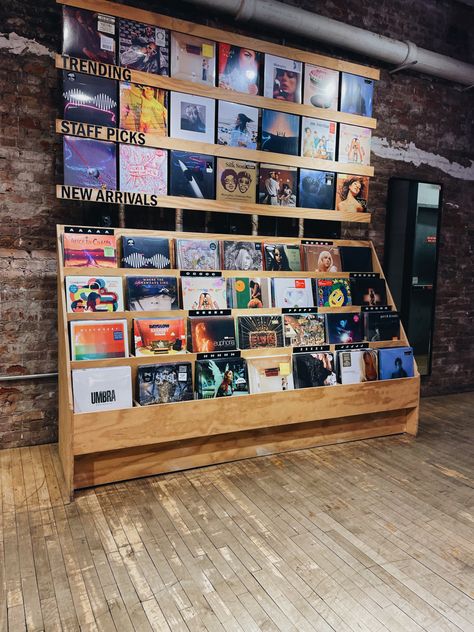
<point x="97" y="448"/>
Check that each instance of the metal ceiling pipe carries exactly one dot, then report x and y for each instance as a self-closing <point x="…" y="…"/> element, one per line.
<point x="286" y="18"/>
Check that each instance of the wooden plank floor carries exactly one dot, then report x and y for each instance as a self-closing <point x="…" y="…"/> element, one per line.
<point x="367" y="536"/>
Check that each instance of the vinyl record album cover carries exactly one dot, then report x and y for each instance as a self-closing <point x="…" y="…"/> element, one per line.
<point x="144" y="109"/>
<point x="143" y="169"/>
<point x="207" y="334"/>
<point x="316" y="189"/>
<point x="259" y="332"/>
<point x="321" y="87"/>
<point x="318" y="139"/>
<point x="98" y="339"/>
<point x="396" y="362"/>
<point x="89" y="163"/>
<point x="237" y="125"/>
<point x="356" y="94"/>
<point x="164" y="383"/>
<point x="236" y="181"/>
<point x="382" y="326"/>
<point x="107" y="388"/>
<point x="356" y="366"/>
<point x="197" y="254"/>
<point x="280" y="132"/>
<point x="314" y="369"/>
<point x="292" y="293"/>
<point x="281" y="258"/>
<point x="239" y="68"/>
<point x="249" y="293"/>
<point x="221" y="378"/>
<point x="150" y="293"/>
<point x="302" y="330"/>
<point x="368" y="291"/>
<point x="354" y="144"/>
<point x="333" y="292"/>
<point x="243" y="255"/>
<point x="87" y="250"/>
<point x="89" y="35"/>
<point x="192" y="117"/>
<point x="155" y="336"/>
<point x="352" y="193"/>
<point x="89" y="99"/>
<point x="282" y="79"/>
<point x="193" y="58"/>
<point x="143" y="47"/>
<point x="146" y="252"/>
<point x="356" y="258"/>
<point x="321" y="258"/>
<point x="203" y="292"/>
<point x="277" y="185"/>
<point x="94" y="294"/>
<point x="270" y="374"/>
<point x="344" y="328"/>
<point x="192" y="175"/>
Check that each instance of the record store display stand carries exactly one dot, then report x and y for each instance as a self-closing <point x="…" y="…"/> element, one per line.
<point x="97" y="448"/>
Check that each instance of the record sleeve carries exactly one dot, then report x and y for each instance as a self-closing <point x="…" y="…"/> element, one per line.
<point x="243" y="255"/>
<point x="107" y="388"/>
<point x="260" y="332"/>
<point x="321" y="258"/>
<point x="313" y="369"/>
<point x="321" y="87"/>
<point x="94" y="294"/>
<point x="197" y="254"/>
<point x="143" y="47"/>
<point x="192" y="117"/>
<point x="236" y="181"/>
<point x="89" y="250"/>
<point x="249" y="293"/>
<point x="156" y="336"/>
<point x="356" y="94"/>
<point x="89" y="99"/>
<point x="344" y="328"/>
<point x="382" y="326"/>
<point x="396" y="362"/>
<point x="239" y="69"/>
<point x="144" y="109"/>
<point x="280" y="258"/>
<point x="89" y="163"/>
<point x="146" y="252"/>
<point x="150" y="293"/>
<point x="192" y="175"/>
<point x="270" y="374"/>
<point x="221" y="378"/>
<point x="317" y="189"/>
<point x="207" y="334"/>
<point x="368" y="291"/>
<point x="292" y="292"/>
<point x="356" y="258"/>
<point x="333" y="292"/>
<point x="280" y="132"/>
<point x="164" y="383"/>
<point x="204" y="292"/>
<point x="143" y="169"/>
<point x="282" y="79"/>
<point x="352" y="193"/>
<point x="354" y="144"/>
<point x="193" y="58"/>
<point x="356" y="366"/>
<point x="237" y="125"/>
<point x="89" y="35"/>
<point x="98" y="339"/>
<point x="277" y="185"/>
<point x="318" y="139"/>
<point x="302" y="330"/>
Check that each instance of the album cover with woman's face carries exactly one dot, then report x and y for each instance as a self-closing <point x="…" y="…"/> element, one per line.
<point x="321" y="258"/>
<point x="283" y="79"/>
<point x="193" y="58"/>
<point x="368" y="291"/>
<point x="277" y="185"/>
<point x="192" y="117"/>
<point x="143" y="169"/>
<point x="280" y="132"/>
<point x="321" y="87"/>
<point x="243" y="255"/>
<point x="144" y="109"/>
<point x="143" y="47"/>
<point x="154" y="294"/>
<point x="237" y="125"/>
<point x="357" y="365"/>
<point x="239" y="68"/>
<point x="318" y="139"/>
<point x="89" y="99"/>
<point x="352" y="193"/>
<point x="236" y="180"/>
<point x="221" y="378"/>
<point x="356" y="94"/>
<point x="89" y="163"/>
<point x="354" y="144"/>
<point x="192" y="175"/>
<point x="282" y="257"/>
<point x="316" y="189"/>
<point x="89" y="35"/>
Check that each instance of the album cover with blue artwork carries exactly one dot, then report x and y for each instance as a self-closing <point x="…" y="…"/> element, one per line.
<point x="317" y="189"/>
<point x="89" y="99"/>
<point x="356" y="94"/>
<point x="192" y="175"/>
<point x="344" y="328"/>
<point x="396" y="362"/>
<point x="145" y="252"/>
<point x="89" y="163"/>
<point x="280" y="132"/>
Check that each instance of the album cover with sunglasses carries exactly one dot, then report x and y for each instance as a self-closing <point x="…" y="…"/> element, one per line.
<point x="89" y="99"/>
<point x="89" y="35"/>
<point x="146" y="252"/>
<point x="143" y="47"/>
<point x="149" y="293"/>
<point x="192" y="175"/>
<point x="236" y="180"/>
<point x="89" y="163"/>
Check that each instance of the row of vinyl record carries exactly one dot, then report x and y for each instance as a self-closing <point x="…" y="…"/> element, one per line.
<point x="107" y="339"/>
<point x="96" y="390"/>
<point x="103" y="38"/>
<point x="90" y="247"/>
<point x="206" y="292"/>
<point x="95" y="163"/>
<point x="159" y="113"/>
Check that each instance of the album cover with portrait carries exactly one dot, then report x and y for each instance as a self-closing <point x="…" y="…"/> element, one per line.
<point x="239" y="68"/>
<point x="202" y="292"/>
<point x="236" y="181"/>
<point x="164" y="383"/>
<point x="280" y="132"/>
<point x="354" y="144"/>
<point x="242" y="255"/>
<point x="282" y="79"/>
<point x="321" y="87"/>
<point x="237" y="125"/>
<point x="277" y="185"/>
<point x="333" y="292"/>
<point x="144" y="109"/>
<point x="157" y="336"/>
<point x="344" y="328"/>
<point x="260" y="332"/>
<point x="193" y="58"/>
<point x="143" y="169"/>
<point x="282" y="257"/>
<point x="249" y="293"/>
<point x="93" y="294"/>
<point x="357" y="365"/>
<point x="316" y="189"/>
<point x="271" y="374"/>
<point x="152" y="294"/>
<point x="207" y="334"/>
<point x="367" y="291"/>
<point x="192" y="175"/>
<point x="221" y="378"/>
<point x="396" y="362"/>
<point x="318" y="139"/>
<point x="382" y="326"/>
<point x="143" y="47"/>
<point x="352" y="193"/>
<point x="302" y="330"/>
<point x="192" y="117"/>
<point x="324" y="258"/>
<point x="356" y="94"/>
<point x="89" y="35"/>
<point x="89" y="99"/>
<point x="89" y="163"/>
<point x="356" y="258"/>
<point x="314" y="369"/>
<point x="145" y="252"/>
<point x="288" y="292"/>
<point x="197" y="254"/>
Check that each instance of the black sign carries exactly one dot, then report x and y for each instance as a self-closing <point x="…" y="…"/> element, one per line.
<point x="376" y="308"/>
<point x="209" y="312"/>
<point x="299" y="310"/>
<point x="316" y="242"/>
<point x="352" y="345"/>
<point x="200" y="273"/>
<point x="311" y="348"/>
<point x="364" y="275"/>
<point x="88" y="230"/>
<point x="216" y="355"/>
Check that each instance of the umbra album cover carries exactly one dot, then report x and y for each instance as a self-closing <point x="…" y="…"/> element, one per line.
<point x="107" y="388"/>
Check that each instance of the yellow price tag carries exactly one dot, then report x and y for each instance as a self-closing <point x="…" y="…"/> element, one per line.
<point x="207" y="50"/>
<point x="285" y="368"/>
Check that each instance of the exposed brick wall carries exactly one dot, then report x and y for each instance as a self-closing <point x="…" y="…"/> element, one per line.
<point x="432" y="114"/>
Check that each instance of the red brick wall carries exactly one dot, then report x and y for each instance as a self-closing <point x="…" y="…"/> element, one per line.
<point x="431" y="114"/>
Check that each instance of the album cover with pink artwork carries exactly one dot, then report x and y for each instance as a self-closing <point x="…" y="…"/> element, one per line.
<point x="143" y="169"/>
